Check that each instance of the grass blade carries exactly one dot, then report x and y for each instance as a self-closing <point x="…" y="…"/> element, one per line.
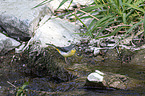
<point x="92" y="23"/>
<point x="133" y="27"/>
<point x="124" y="18"/>
<point x="98" y="23"/>
<point x="61" y="4"/>
<point x="137" y="8"/>
<point x="90" y="8"/>
<point x="24" y="85"/>
<point x="105" y="26"/>
<point x="70" y="4"/>
<point x="113" y="33"/>
<point x="80" y="21"/>
<point x="42" y="3"/>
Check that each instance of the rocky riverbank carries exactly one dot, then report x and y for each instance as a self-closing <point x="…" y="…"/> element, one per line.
<point x="25" y="57"/>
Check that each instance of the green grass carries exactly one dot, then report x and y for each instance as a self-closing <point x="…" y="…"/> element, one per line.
<point x="109" y="17"/>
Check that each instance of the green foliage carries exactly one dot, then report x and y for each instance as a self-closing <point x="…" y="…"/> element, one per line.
<point x="63" y="1"/>
<point x="22" y="91"/>
<point x="43" y="3"/>
<point x="125" y="14"/>
<point x="109" y="16"/>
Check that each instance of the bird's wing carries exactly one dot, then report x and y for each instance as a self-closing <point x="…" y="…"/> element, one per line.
<point x="64" y="49"/>
<point x="67" y="48"/>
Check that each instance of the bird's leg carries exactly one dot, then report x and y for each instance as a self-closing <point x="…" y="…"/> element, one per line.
<point x="66" y="61"/>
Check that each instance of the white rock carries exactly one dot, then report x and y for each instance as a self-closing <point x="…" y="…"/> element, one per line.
<point x="58" y="32"/>
<point x="55" y="3"/>
<point x="20" y="49"/>
<point x="45" y="18"/>
<point x="99" y="72"/>
<point x="96" y="76"/>
<point x="96" y="51"/>
<point x="7" y="44"/>
<point x="18" y="17"/>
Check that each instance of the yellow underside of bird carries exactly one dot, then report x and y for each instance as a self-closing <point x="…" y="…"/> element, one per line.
<point x="67" y="54"/>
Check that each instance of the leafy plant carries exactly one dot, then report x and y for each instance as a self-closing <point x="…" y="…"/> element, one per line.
<point x="21" y="91"/>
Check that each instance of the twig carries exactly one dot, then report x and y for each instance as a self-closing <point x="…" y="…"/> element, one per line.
<point x="11" y="84"/>
<point x="88" y="14"/>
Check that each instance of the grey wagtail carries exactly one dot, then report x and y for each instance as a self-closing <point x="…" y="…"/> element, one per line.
<point x="67" y="51"/>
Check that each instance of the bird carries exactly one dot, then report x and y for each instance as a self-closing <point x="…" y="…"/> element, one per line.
<point x="67" y="51"/>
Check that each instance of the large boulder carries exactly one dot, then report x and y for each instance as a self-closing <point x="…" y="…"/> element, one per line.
<point x="58" y="32"/>
<point x="19" y="19"/>
<point x="55" y="31"/>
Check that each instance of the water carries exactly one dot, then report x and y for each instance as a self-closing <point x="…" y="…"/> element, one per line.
<point x="46" y="85"/>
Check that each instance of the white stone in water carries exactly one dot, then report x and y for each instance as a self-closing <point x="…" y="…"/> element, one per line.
<point x="96" y="76"/>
